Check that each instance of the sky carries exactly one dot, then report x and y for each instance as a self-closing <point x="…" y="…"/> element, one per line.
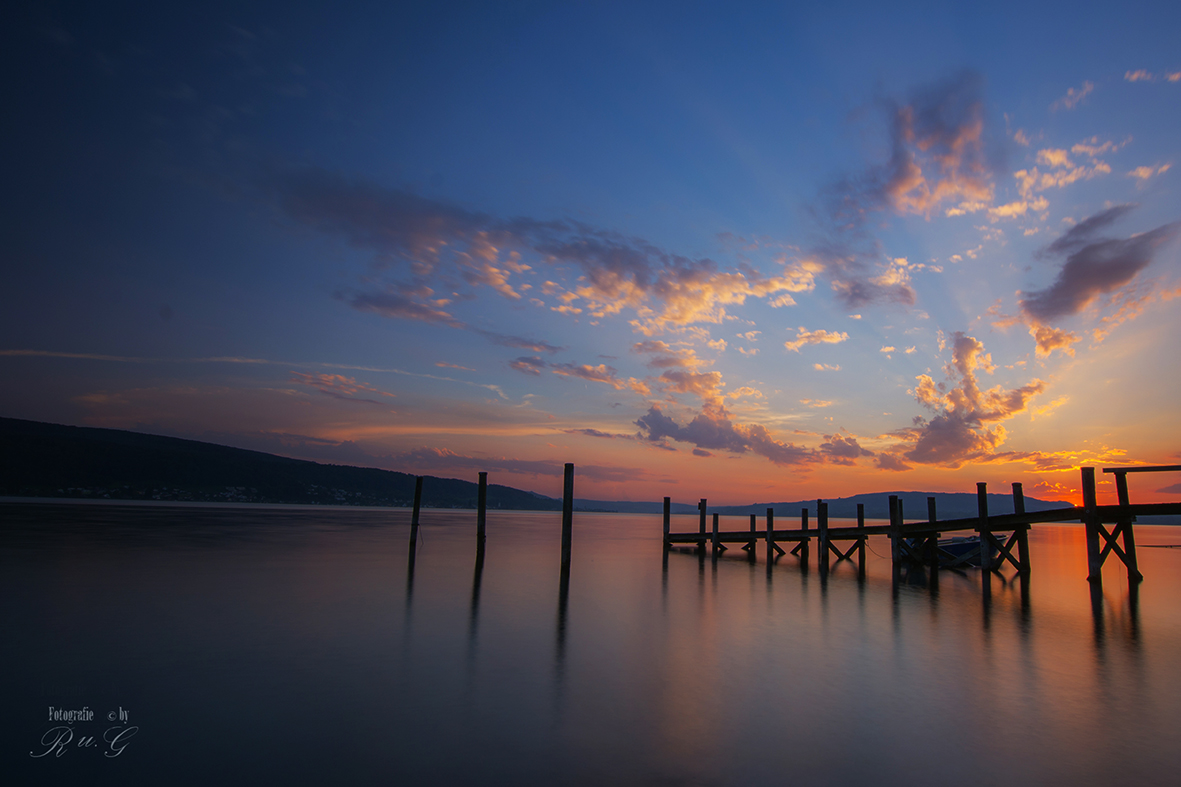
<point x="751" y="253"/>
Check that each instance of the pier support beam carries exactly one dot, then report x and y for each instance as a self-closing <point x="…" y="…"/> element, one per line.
<point x="567" y="518"/>
<point x="668" y="505"/>
<point x="481" y="508"/>
<point x="701" y="526"/>
<point x="414" y="512"/>
<point x="861" y="542"/>
<point x="822" y="536"/>
<point x="1092" y="525"/>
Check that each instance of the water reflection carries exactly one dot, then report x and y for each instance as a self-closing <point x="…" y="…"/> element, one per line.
<point x="206" y="620"/>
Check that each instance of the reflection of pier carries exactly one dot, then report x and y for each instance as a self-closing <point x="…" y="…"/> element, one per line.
<point x="1002" y="538"/>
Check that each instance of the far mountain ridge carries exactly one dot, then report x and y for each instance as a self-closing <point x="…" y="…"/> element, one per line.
<point x="53" y="460"/>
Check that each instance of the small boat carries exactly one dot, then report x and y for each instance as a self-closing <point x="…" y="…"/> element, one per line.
<point x="959" y="546"/>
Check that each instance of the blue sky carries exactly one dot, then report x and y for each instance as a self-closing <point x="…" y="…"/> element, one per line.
<point x="670" y="243"/>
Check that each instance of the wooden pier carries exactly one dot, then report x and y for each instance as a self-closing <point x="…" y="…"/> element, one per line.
<point x="1003" y="538"/>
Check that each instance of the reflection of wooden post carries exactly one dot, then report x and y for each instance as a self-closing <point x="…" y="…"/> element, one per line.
<point x="1023" y="533"/>
<point x="984" y="527"/>
<point x="481" y="507"/>
<point x="1125" y="524"/>
<point x="567" y="515"/>
<point x="414" y="514"/>
<point x="667" y="518"/>
<point x="1091" y="522"/>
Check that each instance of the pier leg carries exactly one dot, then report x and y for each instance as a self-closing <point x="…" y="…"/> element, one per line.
<point x="414" y="513"/>
<point x="701" y="526"/>
<point x="895" y="535"/>
<point x="668" y="505"/>
<point x="932" y="544"/>
<point x="481" y="508"/>
<point x="861" y="542"/>
<point x="750" y="545"/>
<point x="567" y="519"/>
<point x="1125" y="523"/>
<point x="1091" y="522"/>
<point x="1023" y="533"/>
<point x="714" y="547"/>
<point x="985" y="543"/>
<point x="822" y="536"/>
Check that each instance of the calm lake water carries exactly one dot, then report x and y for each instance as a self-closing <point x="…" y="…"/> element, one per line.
<point x="292" y="645"/>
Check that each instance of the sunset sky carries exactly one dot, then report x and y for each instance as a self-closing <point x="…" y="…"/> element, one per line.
<point x="766" y="253"/>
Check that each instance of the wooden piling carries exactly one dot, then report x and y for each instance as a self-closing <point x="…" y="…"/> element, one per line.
<point x="1091" y="523"/>
<point x="1023" y="532"/>
<point x="895" y="533"/>
<point x="984" y="527"/>
<point x="715" y="545"/>
<point x="414" y="513"/>
<point x="668" y="504"/>
<point x="567" y="515"/>
<point x="822" y="535"/>
<point x="861" y="541"/>
<point x="750" y="545"/>
<point x="701" y="508"/>
<point x="1125" y="525"/>
<point x="481" y="508"/>
<point x="772" y="548"/>
<point x="932" y="541"/>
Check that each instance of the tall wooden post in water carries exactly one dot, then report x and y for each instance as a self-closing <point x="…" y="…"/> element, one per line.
<point x="1091" y="523"/>
<point x="861" y="542"/>
<point x="701" y="525"/>
<point x="414" y="513"/>
<point x="668" y="504"/>
<point x="984" y="527"/>
<point x="1023" y="533"/>
<point x="567" y="516"/>
<point x="481" y="508"/>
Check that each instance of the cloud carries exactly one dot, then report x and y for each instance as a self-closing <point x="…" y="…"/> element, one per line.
<point x="1094" y="266"/>
<point x="937" y="158"/>
<point x="339" y="387"/>
<point x="667" y="357"/>
<point x="820" y="336"/>
<point x="518" y="342"/>
<point x="824" y="367"/>
<point x="1144" y="173"/>
<point x="431" y="239"/>
<point x="599" y="374"/>
<point x="1073" y="97"/>
<point x="1140" y="75"/>
<point x="842" y="450"/>
<point x="453" y="366"/>
<point x="529" y="365"/>
<point x="713" y="429"/>
<point x="422" y="459"/>
<point x="960" y="431"/>
<point x="597" y="433"/>
<point x="706" y="385"/>
<point x="399" y="305"/>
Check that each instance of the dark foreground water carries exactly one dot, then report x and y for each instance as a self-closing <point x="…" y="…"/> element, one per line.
<point x="270" y="646"/>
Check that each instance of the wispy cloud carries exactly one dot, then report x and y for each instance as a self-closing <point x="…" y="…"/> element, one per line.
<point x="430" y="240"/>
<point x="1094" y="266"/>
<point x="1073" y="97"/>
<point x="805" y="337"/>
<point x="937" y="158"/>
